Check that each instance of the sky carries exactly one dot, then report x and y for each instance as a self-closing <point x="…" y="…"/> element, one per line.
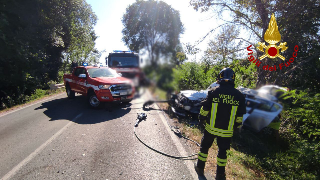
<point x="109" y="25"/>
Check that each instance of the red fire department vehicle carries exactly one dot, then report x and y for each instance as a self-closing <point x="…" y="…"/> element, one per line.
<point x="128" y="64"/>
<point x="99" y="84"/>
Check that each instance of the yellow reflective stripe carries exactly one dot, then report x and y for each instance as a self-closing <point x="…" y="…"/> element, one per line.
<point x="222" y="160"/>
<point x="232" y="116"/>
<point x="203" y="155"/>
<point x="202" y="159"/>
<point x="239" y="119"/>
<point x="217" y="133"/>
<point x="213" y="114"/>
<point x="203" y="112"/>
<point x="221" y="164"/>
<point x="218" y="130"/>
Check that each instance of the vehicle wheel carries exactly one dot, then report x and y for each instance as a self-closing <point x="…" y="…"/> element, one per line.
<point x="70" y="93"/>
<point x="93" y="100"/>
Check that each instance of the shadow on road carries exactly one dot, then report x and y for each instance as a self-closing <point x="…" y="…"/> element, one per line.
<point x="68" y="109"/>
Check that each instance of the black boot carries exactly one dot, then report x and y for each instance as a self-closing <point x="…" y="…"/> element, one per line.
<point x="199" y="170"/>
<point x="221" y="174"/>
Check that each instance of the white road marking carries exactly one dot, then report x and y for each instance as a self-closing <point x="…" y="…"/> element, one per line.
<point x="46" y="99"/>
<point x="37" y="151"/>
<point x="177" y="143"/>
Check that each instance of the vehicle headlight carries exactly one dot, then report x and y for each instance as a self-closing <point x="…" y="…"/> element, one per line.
<point x="104" y="86"/>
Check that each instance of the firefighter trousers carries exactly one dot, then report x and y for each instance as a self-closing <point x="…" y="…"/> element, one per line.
<point x="223" y="145"/>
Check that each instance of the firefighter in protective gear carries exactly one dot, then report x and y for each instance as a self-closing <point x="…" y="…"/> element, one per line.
<point x="223" y="108"/>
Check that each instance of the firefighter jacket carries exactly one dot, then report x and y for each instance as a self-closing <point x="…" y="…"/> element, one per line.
<point x="221" y="108"/>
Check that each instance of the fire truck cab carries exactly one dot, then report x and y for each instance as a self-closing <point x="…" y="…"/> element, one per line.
<point x="126" y="63"/>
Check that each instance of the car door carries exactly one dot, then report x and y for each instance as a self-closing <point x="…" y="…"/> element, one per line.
<point x="73" y="82"/>
<point x="263" y="115"/>
<point x="82" y="82"/>
<point x="77" y="87"/>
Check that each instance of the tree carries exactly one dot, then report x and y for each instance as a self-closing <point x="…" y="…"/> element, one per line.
<point x="34" y="36"/>
<point x="298" y="23"/>
<point x="179" y="56"/>
<point x="221" y="50"/>
<point x="153" y="26"/>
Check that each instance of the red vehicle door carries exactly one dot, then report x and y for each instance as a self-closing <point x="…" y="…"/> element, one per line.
<point x="82" y="81"/>
<point x="79" y="82"/>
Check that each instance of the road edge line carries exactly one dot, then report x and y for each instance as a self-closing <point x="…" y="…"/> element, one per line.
<point x="37" y="151"/>
<point x="176" y="142"/>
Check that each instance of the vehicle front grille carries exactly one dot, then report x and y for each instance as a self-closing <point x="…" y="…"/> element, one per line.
<point x="120" y="87"/>
<point x="121" y="90"/>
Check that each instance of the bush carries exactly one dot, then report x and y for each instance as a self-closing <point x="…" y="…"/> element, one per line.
<point x="37" y="94"/>
<point x="192" y="75"/>
<point x="302" y="115"/>
<point x="246" y="73"/>
<point x="301" y="161"/>
<point x="300" y="129"/>
<point x="161" y="76"/>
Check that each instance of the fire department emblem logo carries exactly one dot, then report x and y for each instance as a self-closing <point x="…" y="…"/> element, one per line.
<point x="272" y="36"/>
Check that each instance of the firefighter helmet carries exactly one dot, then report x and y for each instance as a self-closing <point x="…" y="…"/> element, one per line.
<point x="226" y="74"/>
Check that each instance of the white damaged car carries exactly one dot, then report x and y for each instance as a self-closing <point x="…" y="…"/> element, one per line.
<point x="261" y="111"/>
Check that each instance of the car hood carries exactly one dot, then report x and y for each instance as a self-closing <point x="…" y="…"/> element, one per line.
<point x="247" y="91"/>
<point x="112" y="80"/>
<point x="195" y="95"/>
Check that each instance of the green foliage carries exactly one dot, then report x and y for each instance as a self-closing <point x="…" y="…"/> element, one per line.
<point x="179" y="56"/>
<point x="190" y="76"/>
<point x="302" y="115"/>
<point x="197" y="76"/>
<point x="298" y="23"/>
<point x="36" y="36"/>
<point x="153" y="26"/>
<point x="301" y="161"/>
<point x="223" y="47"/>
<point x="160" y="76"/>
<point x="246" y="73"/>
<point x="39" y="93"/>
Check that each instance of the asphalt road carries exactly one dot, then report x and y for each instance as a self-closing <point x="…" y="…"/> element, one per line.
<point x="65" y="139"/>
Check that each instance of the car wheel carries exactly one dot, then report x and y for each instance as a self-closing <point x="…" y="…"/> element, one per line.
<point x="93" y="101"/>
<point x="70" y="93"/>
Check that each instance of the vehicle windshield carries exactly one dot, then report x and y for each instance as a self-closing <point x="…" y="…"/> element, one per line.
<point x="123" y="62"/>
<point x="102" y="72"/>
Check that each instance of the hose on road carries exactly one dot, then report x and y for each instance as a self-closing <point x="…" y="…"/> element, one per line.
<point x="178" y="133"/>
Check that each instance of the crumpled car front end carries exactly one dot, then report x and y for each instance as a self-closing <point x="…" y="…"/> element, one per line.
<point x="188" y="102"/>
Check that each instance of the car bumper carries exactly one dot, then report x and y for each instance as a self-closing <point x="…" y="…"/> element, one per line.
<point x="106" y="96"/>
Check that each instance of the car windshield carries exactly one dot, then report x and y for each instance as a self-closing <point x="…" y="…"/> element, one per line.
<point x="123" y="62"/>
<point x="102" y="72"/>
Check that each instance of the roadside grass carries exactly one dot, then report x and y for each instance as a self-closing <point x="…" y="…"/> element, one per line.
<point x="240" y="165"/>
<point x="158" y="93"/>
<point x="39" y="94"/>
